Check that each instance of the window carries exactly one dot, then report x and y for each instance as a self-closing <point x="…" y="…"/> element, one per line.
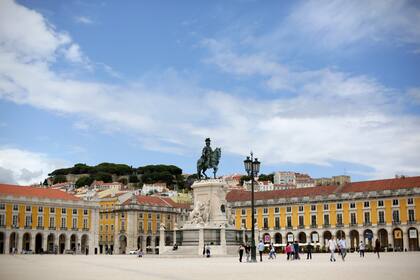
<point x="265" y="210"/>
<point x="158" y="216"/>
<point x="301" y="221"/>
<point x="52" y="222"/>
<point x="149" y="226"/>
<point x="2" y="206"/>
<point x="395" y="202"/>
<point x="339" y="219"/>
<point x="40" y="209"/>
<point x="52" y="210"/>
<point x="123" y="215"/>
<point x="277" y="222"/>
<point x="352" y="205"/>
<point x="101" y="228"/>
<point x="313" y="207"/>
<point x="326" y="219"/>
<point x="411" y="217"/>
<point x="410" y="201"/>
<point x="326" y="206"/>
<point x="2" y="219"/>
<point x="339" y="206"/>
<point x="169" y="217"/>
<point x="255" y="211"/>
<point x="367" y="217"/>
<point x="15" y="207"/>
<point x="74" y="211"/>
<point x="85" y="212"/>
<point x="28" y="208"/>
<point x="85" y="223"/>
<point x="112" y="216"/>
<point x="381" y="217"/>
<point x="353" y="220"/>
<point x="313" y="220"/>
<point x="15" y="220"/>
<point x="63" y="211"/>
<point x="277" y="210"/>
<point x="289" y="221"/>
<point x="288" y="209"/>
<point x="141" y="215"/>
<point x="380" y="203"/>
<point x="396" y="216"/>
<point x="63" y="222"/>
<point x="40" y="221"/>
<point x="149" y="216"/>
<point x="243" y="212"/>
<point x="112" y="227"/>
<point x="74" y="223"/>
<point x="265" y="222"/>
<point x="243" y="222"/>
<point x="366" y="204"/>
<point x="106" y="228"/>
<point x="28" y="221"/>
<point x="300" y="208"/>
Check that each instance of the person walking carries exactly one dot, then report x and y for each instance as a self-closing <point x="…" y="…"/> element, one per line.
<point x="377" y="247"/>
<point x="287" y="249"/>
<point x="247" y="252"/>
<point x="296" y="250"/>
<point x="261" y="248"/>
<point x="208" y="251"/>
<point x="343" y="248"/>
<point x="309" y="248"/>
<point x="241" y="252"/>
<point x="362" y="249"/>
<point x="332" y="245"/>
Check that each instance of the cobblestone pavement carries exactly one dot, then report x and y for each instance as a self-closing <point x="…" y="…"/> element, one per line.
<point x="390" y="266"/>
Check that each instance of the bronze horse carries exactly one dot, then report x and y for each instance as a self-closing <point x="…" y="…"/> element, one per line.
<point x="202" y="165"/>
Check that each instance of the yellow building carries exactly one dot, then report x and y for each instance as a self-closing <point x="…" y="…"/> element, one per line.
<point x="130" y="222"/>
<point x="40" y="220"/>
<point x="387" y="210"/>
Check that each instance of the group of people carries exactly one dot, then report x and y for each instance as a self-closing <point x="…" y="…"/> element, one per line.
<point x="292" y="251"/>
<point x="362" y="248"/>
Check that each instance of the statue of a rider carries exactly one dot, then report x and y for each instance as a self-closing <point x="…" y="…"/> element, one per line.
<point x="206" y="153"/>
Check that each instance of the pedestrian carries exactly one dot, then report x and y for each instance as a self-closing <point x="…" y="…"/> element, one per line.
<point x="287" y="249"/>
<point x="309" y="248"/>
<point x="241" y="252"/>
<point x="362" y="249"/>
<point x="140" y="253"/>
<point x="292" y="251"/>
<point x="272" y="252"/>
<point x="332" y="245"/>
<point x="248" y="252"/>
<point x="204" y="250"/>
<point x="261" y="248"/>
<point x="377" y="247"/>
<point x="343" y="248"/>
<point x="208" y="251"/>
<point x="296" y="250"/>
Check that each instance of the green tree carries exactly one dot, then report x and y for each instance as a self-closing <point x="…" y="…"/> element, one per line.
<point x="84" y="181"/>
<point x="133" y="179"/>
<point x="243" y="179"/>
<point x="59" y="179"/>
<point x="102" y="176"/>
<point x="264" y="177"/>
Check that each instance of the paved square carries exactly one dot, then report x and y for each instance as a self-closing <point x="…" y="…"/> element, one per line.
<point x="390" y="266"/>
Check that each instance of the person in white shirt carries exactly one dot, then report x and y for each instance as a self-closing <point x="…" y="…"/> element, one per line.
<point x="332" y="245"/>
<point x="362" y="249"/>
<point x="343" y="248"/>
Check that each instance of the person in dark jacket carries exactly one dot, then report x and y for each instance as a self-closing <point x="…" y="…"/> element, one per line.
<point x="296" y="247"/>
<point x="241" y="252"/>
<point x="377" y="246"/>
<point x="309" y="249"/>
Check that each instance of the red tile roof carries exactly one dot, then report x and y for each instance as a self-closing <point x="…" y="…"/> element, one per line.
<point x="18" y="191"/>
<point x="365" y="186"/>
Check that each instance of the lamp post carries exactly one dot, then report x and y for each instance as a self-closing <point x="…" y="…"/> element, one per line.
<point x="252" y="167"/>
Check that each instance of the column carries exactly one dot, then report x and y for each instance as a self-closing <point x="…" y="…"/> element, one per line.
<point x="131" y="231"/>
<point x="390" y="238"/>
<point x="256" y="233"/>
<point x="223" y="239"/>
<point x="45" y="242"/>
<point x="19" y="242"/>
<point x="7" y="243"/>
<point x="32" y="243"/>
<point x="405" y="240"/>
<point x="200" y="240"/>
<point x="143" y="243"/>
<point x="161" y="239"/>
<point x="153" y="244"/>
<point x="67" y="246"/>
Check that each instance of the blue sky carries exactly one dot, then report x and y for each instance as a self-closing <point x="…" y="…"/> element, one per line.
<point x="321" y="87"/>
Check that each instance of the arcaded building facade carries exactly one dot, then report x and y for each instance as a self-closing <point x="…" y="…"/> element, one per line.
<point x="387" y="210"/>
<point x="42" y="220"/>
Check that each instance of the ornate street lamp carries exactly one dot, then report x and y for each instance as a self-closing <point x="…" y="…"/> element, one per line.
<point x="252" y="167"/>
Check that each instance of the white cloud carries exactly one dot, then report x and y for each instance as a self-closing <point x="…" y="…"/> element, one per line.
<point x="414" y="95"/>
<point x="327" y="119"/>
<point x="83" y="20"/>
<point x="25" y="167"/>
<point x="338" y="24"/>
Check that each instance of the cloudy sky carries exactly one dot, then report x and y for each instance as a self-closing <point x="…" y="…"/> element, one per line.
<point x="322" y="87"/>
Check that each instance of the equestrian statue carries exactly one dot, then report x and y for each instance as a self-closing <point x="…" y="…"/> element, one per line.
<point x="209" y="159"/>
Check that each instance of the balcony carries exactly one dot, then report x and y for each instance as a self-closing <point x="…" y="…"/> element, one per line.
<point x="353" y="224"/>
<point x="63" y="228"/>
<point x="367" y="224"/>
<point x="412" y="222"/>
<point x="301" y="226"/>
<point x="15" y="226"/>
<point x="74" y="228"/>
<point x="51" y="228"/>
<point x="28" y="226"/>
<point x="2" y="226"/>
<point x="339" y="225"/>
<point x="85" y="229"/>
<point x="314" y="226"/>
<point x="122" y="230"/>
<point x="381" y="223"/>
<point x="326" y="225"/>
<point x="289" y="227"/>
<point x="40" y="227"/>
<point x="395" y="223"/>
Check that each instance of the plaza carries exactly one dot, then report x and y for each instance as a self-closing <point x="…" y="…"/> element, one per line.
<point x="152" y="267"/>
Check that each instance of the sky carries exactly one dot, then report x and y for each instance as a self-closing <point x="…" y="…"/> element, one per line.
<point x="319" y="87"/>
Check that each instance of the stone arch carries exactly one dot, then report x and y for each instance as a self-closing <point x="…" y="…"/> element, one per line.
<point x="84" y="244"/>
<point x="51" y="243"/>
<point x="123" y="244"/>
<point x="13" y="241"/>
<point x="368" y="238"/>
<point x="148" y="244"/>
<point x="302" y="237"/>
<point x="169" y="239"/>
<point x="397" y="235"/>
<point x="413" y="239"/>
<point x="327" y="236"/>
<point x="314" y="237"/>
<point x="73" y="242"/>
<point x="290" y="237"/>
<point x="26" y="241"/>
<point x="277" y="238"/>
<point x="354" y="239"/>
<point x="39" y="238"/>
<point x="383" y="237"/>
<point x="2" y="242"/>
<point x="62" y="243"/>
<point x="340" y="234"/>
<point x="266" y="238"/>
